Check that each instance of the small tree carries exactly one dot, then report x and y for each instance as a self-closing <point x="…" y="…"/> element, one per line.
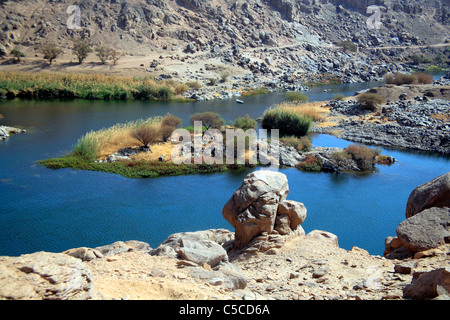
<point x="81" y="48"/>
<point x="17" y="54"/>
<point x="50" y="51"/>
<point x="146" y="135"/>
<point x="171" y="121"/>
<point x="104" y="53"/>
<point x="115" y="56"/>
<point x="208" y="119"/>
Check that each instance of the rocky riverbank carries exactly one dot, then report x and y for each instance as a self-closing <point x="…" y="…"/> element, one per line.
<point x="414" y="117"/>
<point x="267" y="257"/>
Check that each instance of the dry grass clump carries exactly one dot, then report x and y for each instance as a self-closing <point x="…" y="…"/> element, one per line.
<point x="405" y="78"/>
<point x="312" y="110"/>
<point x="370" y="101"/>
<point x="102" y="143"/>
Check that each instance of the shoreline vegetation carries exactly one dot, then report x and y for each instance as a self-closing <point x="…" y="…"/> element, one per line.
<point x="60" y="85"/>
<point x="45" y="85"/>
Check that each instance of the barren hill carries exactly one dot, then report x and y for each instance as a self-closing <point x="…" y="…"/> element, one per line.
<point x="140" y="27"/>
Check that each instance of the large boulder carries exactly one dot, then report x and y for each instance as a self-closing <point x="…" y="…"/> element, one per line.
<point x="290" y="216"/>
<point x="198" y="247"/>
<point x="45" y="276"/>
<point x="253" y="207"/>
<point x="429" y="285"/>
<point x="425" y="230"/>
<point x="435" y="193"/>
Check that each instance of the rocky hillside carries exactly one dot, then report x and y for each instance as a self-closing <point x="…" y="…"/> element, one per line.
<point x="140" y="26"/>
<point x="272" y="44"/>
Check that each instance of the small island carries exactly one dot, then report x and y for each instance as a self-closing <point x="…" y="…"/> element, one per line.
<point x="145" y="148"/>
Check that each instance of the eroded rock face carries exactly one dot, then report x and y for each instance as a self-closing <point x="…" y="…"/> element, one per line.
<point x="435" y="193"/>
<point x="45" y="276"/>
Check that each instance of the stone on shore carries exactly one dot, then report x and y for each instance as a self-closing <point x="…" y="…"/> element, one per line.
<point x="253" y="208"/>
<point x="45" y="276"/>
<point x="435" y="193"/>
<point x="426" y="230"/>
<point x="429" y="285"/>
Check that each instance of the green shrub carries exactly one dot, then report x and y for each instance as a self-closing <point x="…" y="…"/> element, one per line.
<point x="87" y="147"/>
<point x="81" y="48"/>
<point x="287" y="121"/>
<point x="17" y="54"/>
<point x="191" y="129"/>
<point x="195" y="85"/>
<point x="310" y="164"/>
<point x="338" y="97"/>
<point x="370" y="101"/>
<point x="341" y="156"/>
<point x="296" y="97"/>
<point x="245" y="123"/>
<point x="301" y="144"/>
<point x="164" y="94"/>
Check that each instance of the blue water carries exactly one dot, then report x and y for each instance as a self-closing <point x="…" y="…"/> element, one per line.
<point x="54" y="210"/>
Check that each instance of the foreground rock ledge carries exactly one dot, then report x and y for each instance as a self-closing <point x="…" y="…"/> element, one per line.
<point x="278" y="262"/>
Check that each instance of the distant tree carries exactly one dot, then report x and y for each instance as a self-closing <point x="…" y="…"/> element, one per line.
<point x="103" y="53"/>
<point x="81" y="48"/>
<point x="17" y="54"/>
<point x="208" y="119"/>
<point x="50" y="51"/>
<point x="115" y="56"/>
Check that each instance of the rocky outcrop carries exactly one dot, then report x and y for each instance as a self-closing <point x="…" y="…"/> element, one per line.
<point x="259" y="206"/>
<point x="45" y="276"/>
<point x="419" y="124"/>
<point x="7" y="131"/>
<point x="204" y="252"/>
<point x="427" y="221"/>
<point x="435" y="193"/>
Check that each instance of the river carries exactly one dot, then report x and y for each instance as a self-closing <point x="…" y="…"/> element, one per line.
<point x="55" y="210"/>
